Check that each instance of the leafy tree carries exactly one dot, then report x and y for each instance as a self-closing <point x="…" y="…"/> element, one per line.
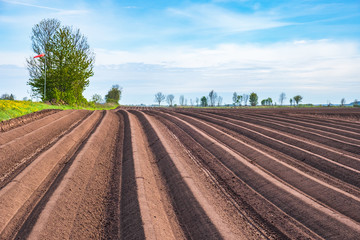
<point x="181" y="100"/>
<point x="7" y="97"/>
<point x="96" y="98"/>
<point x="356" y="103"/>
<point x="114" y="94"/>
<point x="253" y="99"/>
<point x="235" y="98"/>
<point x="342" y="102"/>
<point x="298" y="99"/>
<point x="282" y="98"/>
<point x="159" y="97"/>
<point x="69" y="62"/>
<point x="239" y="99"/>
<point x="170" y="99"/>
<point x="212" y="98"/>
<point x="266" y="102"/>
<point x="204" y="101"/>
<point x="245" y="98"/>
<point x="291" y="101"/>
<point x="219" y="100"/>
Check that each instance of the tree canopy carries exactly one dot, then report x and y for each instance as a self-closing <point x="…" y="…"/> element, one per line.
<point x="212" y="97"/>
<point x="68" y="59"/>
<point x="298" y="99"/>
<point x="7" y="97"/>
<point x="159" y="97"/>
<point x="170" y="99"/>
<point x="253" y="99"/>
<point x="204" y="102"/>
<point x="114" y="94"/>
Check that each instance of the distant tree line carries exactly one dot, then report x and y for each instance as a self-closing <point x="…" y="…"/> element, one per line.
<point x="113" y="96"/>
<point x="213" y="100"/>
<point x="7" y="97"/>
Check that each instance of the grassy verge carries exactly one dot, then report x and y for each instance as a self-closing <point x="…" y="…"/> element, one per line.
<point x="12" y="109"/>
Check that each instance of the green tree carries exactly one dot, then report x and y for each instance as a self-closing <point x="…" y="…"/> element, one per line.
<point x="114" y="94"/>
<point x="266" y="102"/>
<point x="253" y="99"/>
<point x="239" y="99"/>
<point x="342" y="102"/>
<point x="235" y="98"/>
<point x="96" y="98"/>
<point x="159" y="97"/>
<point x="7" y="97"/>
<point x="204" y="101"/>
<point x="282" y="98"/>
<point x="298" y="99"/>
<point x="245" y="98"/>
<point x="212" y="97"/>
<point x="170" y="99"/>
<point x="69" y="62"/>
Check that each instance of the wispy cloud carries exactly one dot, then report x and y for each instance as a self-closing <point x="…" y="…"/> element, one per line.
<point x="314" y="68"/>
<point x="207" y="16"/>
<point x="30" y="5"/>
<point x="58" y="10"/>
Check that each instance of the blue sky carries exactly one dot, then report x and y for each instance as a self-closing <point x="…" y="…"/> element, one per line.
<point x="311" y="48"/>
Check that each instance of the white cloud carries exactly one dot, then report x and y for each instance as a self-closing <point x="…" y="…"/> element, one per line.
<point x="59" y="11"/>
<point x="289" y="54"/>
<point x="212" y="17"/>
<point x="318" y="68"/>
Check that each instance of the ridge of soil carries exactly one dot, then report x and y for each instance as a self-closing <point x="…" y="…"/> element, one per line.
<point x="181" y="173"/>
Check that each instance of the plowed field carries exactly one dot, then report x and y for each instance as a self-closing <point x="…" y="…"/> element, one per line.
<point x="148" y="173"/>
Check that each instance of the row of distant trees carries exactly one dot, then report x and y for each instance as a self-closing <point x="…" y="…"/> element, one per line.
<point x="7" y="97"/>
<point x="113" y="95"/>
<point x="212" y="99"/>
<point x="238" y="99"/>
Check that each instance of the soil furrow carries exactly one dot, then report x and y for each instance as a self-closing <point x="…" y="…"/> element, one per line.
<point x="21" y="150"/>
<point x="25" y="191"/>
<point x="26" y="119"/>
<point x="305" y="141"/>
<point x="295" y="150"/>
<point x="338" y="129"/>
<point x="235" y="192"/>
<point x="234" y="174"/>
<point x="347" y="145"/>
<point x="181" y="173"/>
<point x="130" y="217"/>
<point x="20" y="131"/>
<point x="279" y="193"/>
<point x="158" y="216"/>
<point x="194" y="220"/>
<point x="321" y="191"/>
<point x="79" y="199"/>
<point x="21" y="165"/>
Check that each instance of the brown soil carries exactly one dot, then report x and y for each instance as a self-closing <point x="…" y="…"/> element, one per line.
<point x="156" y="173"/>
<point x="19" y="121"/>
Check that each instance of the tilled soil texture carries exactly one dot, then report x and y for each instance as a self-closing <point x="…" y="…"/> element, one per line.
<point x="162" y="173"/>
